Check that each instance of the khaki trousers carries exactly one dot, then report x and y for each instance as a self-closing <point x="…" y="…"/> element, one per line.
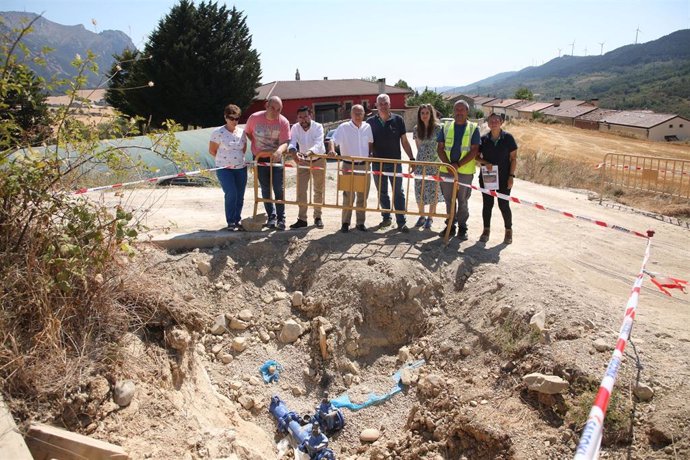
<point x="319" y="186"/>
<point x="349" y="197"/>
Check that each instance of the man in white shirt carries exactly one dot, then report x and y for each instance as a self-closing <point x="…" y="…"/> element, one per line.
<point x="356" y="141"/>
<point x="306" y="139"/>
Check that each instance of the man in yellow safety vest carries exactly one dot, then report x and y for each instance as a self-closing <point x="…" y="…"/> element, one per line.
<point x="458" y="146"/>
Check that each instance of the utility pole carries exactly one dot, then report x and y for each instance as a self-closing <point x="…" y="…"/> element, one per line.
<point x="572" y="48"/>
<point x="559" y="52"/>
<point x="602" y="48"/>
<point x="585" y="51"/>
<point x="637" y="31"/>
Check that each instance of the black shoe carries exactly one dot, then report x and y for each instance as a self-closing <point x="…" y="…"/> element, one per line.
<point x="442" y="233"/>
<point x="345" y="228"/>
<point x="270" y="223"/>
<point x="299" y="224"/>
<point x="462" y="235"/>
<point x="229" y="228"/>
<point x="318" y="222"/>
<point x="403" y="228"/>
<point x="239" y="228"/>
<point x="386" y="223"/>
<point x="280" y="225"/>
<point x="361" y="227"/>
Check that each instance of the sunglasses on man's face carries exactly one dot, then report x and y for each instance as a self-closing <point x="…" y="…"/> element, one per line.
<point x="232" y="118"/>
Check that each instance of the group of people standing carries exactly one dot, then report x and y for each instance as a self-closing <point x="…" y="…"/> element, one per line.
<point x="361" y="141"/>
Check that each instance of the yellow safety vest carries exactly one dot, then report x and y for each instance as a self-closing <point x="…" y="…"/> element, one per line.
<point x="449" y="137"/>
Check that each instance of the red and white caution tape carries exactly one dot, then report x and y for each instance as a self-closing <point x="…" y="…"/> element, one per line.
<point x="154" y="179"/>
<point x="590" y="441"/>
<point x="379" y="173"/>
<point x="592" y="220"/>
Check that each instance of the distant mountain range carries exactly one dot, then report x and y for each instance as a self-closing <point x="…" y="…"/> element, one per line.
<point x="67" y="42"/>
<point x="653" y="75"/>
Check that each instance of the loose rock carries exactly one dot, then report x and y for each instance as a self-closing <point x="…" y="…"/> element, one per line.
<point x="219" y="325"/>
<point x="245" y="315"/>
<point x="538" y="321"/>
<point x="238" y="324"/>
<point x="239" y="344"/>
<point x="124" y="392"/>
<point x="643" y="392"/>
<point x="203" y="267"/>
<point x="546" y="384"/>
<point x="290" y="332"/>
<point x="297" y="299"/>
<point x="369" y="435"/>
<point x="602" y="345"/>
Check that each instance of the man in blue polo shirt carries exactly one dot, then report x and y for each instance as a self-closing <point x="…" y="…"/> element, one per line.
<point x="389" y="132"/>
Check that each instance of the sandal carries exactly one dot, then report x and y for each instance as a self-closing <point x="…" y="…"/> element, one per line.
<point x="420" y="221"/>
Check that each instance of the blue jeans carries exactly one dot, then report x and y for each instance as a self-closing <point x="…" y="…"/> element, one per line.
<point x="233" y="183"/>
<point x="382" y="187"/>
<point x="272" y="210"/>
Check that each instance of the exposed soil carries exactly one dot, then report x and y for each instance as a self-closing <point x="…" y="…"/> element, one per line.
<point x="464" y="309"/>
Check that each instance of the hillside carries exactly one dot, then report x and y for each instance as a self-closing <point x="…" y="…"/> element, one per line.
<point x="66" y="42"/>
<point x="653" y="75"/>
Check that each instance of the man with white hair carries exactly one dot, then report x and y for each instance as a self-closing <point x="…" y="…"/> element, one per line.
<point x="269" y="132"/>
<point x="389" y="133"/>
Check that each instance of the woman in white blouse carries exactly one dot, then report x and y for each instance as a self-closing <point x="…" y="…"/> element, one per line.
<point x="227" y="147"/>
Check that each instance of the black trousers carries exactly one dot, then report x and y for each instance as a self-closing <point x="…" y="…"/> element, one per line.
<point x="503" y="205"/>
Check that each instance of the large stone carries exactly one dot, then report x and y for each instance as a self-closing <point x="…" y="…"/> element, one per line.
<point x="203" y="267"/>
<point x="290" y="332"/>
<point x="643" y="392"/>
<point x="178" y="339"/>
<point x="602" y="345"/>
<point x="254" y="224"/>
<point x="547" y="384"/>
<point x="219" y="325"/>
<point x="246" y="401"/>
<point x="123" y="392"/>
<point x="414" y="291"/>
<point x="245" y="315"/>
<point x="538" y="321"/>
<point x="369" y="435"/>
<point x="239" y="344"/>
<point x="238" y="325"/>
<point x="404" y="354"/>
<point x="297" y="299"/>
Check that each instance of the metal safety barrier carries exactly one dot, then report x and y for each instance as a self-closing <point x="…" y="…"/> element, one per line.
<point x="668" y="176"/>
<point x="355" y="175"/>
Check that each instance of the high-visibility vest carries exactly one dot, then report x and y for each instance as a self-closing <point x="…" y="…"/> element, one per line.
<point x="449" y="137"/>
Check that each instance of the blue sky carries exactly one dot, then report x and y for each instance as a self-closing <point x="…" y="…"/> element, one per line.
<point x="432" y="42"/>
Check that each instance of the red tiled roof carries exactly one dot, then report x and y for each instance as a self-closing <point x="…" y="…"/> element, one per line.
<point x="301" y="89"/>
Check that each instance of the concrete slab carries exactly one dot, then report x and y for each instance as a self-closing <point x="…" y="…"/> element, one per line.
<point x="11" y="440"/>
<point x="48" y="442"/>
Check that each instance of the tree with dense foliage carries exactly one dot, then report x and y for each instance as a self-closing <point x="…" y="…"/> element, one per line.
<point x="402" y="84"/>
<point x="524" y="93"/>
<point x="198" y="60"/>
<point x="24" y="117"/>
<point x="431" y="97"/>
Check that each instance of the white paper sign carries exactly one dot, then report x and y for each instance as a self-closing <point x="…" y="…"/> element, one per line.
<point x="490" y="177"/>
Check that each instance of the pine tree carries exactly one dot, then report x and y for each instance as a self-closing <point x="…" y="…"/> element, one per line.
<point x="199" y="59"/>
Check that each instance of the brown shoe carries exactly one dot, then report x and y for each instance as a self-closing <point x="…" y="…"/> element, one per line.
<point x="485" y="235"/>
<point x="509" y="236"/>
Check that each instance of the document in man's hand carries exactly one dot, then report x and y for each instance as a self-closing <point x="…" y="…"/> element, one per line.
<point x="490" y="177"/>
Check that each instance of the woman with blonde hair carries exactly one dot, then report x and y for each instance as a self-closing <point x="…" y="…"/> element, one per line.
<point x="427" y="192"/>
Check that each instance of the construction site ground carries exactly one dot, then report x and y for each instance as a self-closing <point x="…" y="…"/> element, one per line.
<point x="386" y="297"/>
